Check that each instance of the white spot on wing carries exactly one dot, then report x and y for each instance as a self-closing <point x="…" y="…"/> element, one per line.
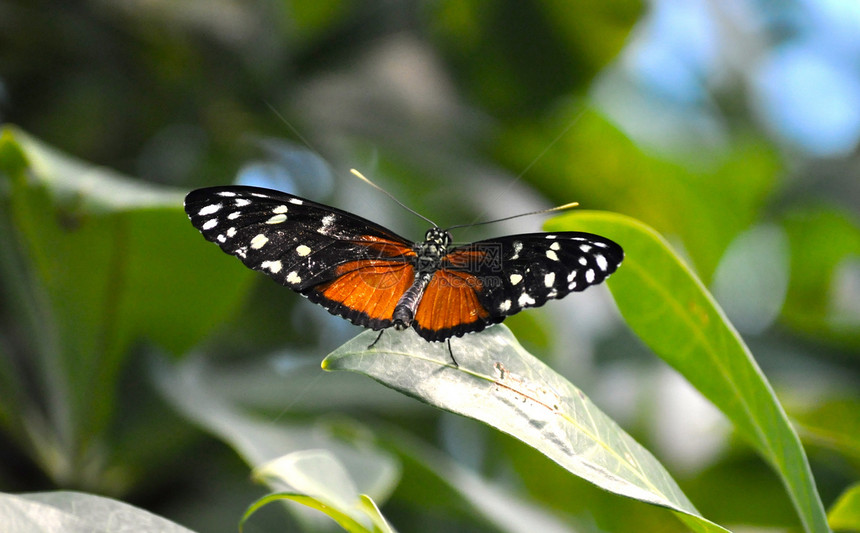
<point x="259" y="241"/>
<point x="242" y="202"/>
<point x="589" y="275"/>
<point x="327" y="221"/>
<point x="209" y="209"/>
<point x="517" y="247"/>
<point x="549" y="280"/>
<point x="552" y="236"/>
<point x="231" y="232"/>
<point x="601" y="261"/>
<point x="515" y="279"/>
<point x="585" y="247"/>
<point x="280" y="210"/>
<point x="583" y="261"/>
<point x="296" y="201"/>
<point x="555" y="246"/>
<point x="272" y="266"/>
<point x="209" y="224"/>
<point x="277" y="219"/>
<point x="504" y="306"/>
<point x="234" y="215"/>
<point x="551" y="255"/>
<point x="227" y="194"/>
<point x="302" y="250"/>
<point x="293" y="277"/>
<point x="525" y="300"/>
<point x="221" y="238"/>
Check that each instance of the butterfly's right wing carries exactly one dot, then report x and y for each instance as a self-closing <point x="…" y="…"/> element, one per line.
<point x="351" y="266"/>
<point x="534" y="268"/>
<point x="482" y="283"/>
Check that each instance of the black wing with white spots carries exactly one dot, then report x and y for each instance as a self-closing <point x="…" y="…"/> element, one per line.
<point x="520" y="271"/>
<point x="297" y="242"/>
<point x="363" y="272"/>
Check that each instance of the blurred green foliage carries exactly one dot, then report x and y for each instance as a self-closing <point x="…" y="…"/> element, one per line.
<point x="465" y="111"/>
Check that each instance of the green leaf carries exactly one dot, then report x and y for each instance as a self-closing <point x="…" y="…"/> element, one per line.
<point x="318" y="479"/>
<point x="672" y="312"/>
<point x="439" y="485"/>
<point x="211" y="396"/>
<point x="76" y="512"/>
<point x="500" y="384"/>
<point x="94" y="263"/>
<point x="845" y="513"/>
<point x="343" y="519"/>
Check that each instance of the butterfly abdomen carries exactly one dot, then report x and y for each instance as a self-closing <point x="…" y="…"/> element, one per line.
<point x="404" y="312"/>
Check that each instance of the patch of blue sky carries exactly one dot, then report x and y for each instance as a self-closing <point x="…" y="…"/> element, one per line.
<point x="809" y="98"/>
<point x="677" y="47"/>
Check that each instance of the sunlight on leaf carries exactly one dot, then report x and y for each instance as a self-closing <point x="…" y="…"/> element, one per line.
<point x="500" y="384"/>
<point x="313" y="472"/>
<point x="76" y="512"/>
<point x="667" y="306"/>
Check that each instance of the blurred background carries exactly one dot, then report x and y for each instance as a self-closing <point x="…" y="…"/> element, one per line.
<point x="730" y="126"/>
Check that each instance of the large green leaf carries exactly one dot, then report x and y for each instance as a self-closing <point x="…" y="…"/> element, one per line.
<point x="672" y="312"/>
<point x="217" y="399"/>
<point x="499" y="383"/>
<point x="93" y="263"/>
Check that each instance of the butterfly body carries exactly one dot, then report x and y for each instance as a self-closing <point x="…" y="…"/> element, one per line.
<point x="374" y="278"/>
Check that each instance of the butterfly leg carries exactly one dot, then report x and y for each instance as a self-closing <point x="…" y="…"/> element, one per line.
<point x="456" y="364"/>
<point x="372" y="344"/>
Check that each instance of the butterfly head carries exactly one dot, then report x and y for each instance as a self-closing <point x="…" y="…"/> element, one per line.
<point x="437" y="236"/>
<point x="430" y="252"/>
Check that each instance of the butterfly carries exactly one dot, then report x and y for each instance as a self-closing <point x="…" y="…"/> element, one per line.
<point x="375" y="278"/>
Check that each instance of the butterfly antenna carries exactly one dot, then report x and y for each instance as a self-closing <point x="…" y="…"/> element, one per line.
<point x="539" y="212"/>
<point x="361" y="176"/>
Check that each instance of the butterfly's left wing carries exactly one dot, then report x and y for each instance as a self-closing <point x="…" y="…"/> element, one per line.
<point x="484" y="282"/>
<point x="351" y="266"/>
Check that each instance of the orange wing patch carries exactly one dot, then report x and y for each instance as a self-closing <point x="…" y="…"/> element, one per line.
<point x="450" y="301"/>
<point x="369" y="287"/>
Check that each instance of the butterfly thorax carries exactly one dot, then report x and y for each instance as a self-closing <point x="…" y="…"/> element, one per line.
<point x="428" y="259"/>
